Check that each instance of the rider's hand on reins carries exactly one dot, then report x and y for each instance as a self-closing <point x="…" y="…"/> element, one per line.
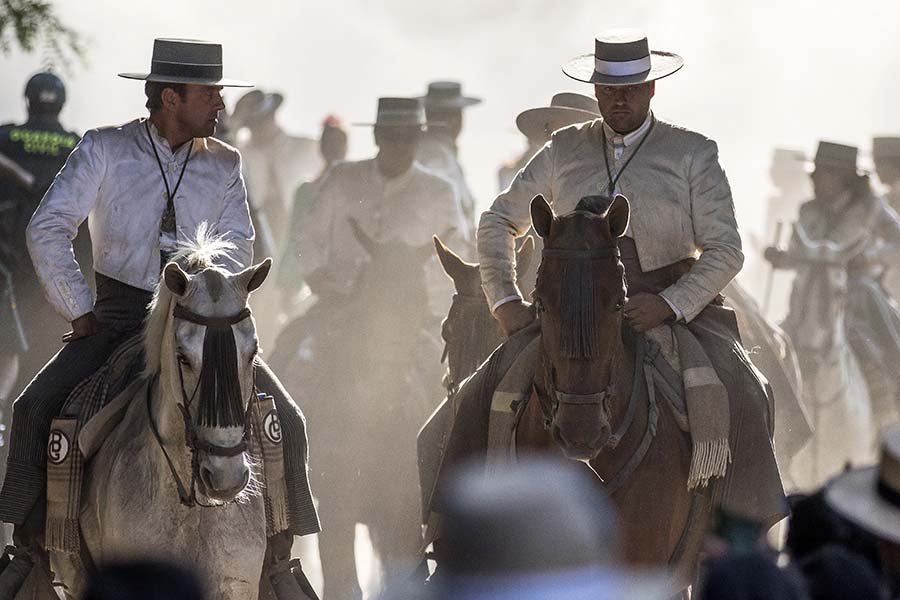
<point x="514" y="315"/>
<point x="82" y="327"/>
<point x="646" y="311"/>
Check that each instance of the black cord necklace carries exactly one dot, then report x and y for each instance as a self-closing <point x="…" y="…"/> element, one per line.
<point x="167" y="223"/>
<point x="611" y="189"/>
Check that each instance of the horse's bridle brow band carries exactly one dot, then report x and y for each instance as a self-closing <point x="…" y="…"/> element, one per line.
<point x="604" y="252"/>
<point x="185" y="314"/>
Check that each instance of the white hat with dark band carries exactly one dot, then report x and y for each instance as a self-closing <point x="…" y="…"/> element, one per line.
<point x="622" y="57"/>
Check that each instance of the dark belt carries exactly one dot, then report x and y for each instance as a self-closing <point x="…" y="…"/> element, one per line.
<point x="120" y="306"/>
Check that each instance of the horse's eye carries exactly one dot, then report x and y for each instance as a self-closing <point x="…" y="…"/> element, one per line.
<point x="182" y="359"/>
<point x="620" y="304"/>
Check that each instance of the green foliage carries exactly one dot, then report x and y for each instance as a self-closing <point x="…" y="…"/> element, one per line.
<point x="27" y="23"/>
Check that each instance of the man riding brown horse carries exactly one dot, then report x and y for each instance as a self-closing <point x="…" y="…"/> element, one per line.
<point x="681" y="243"/>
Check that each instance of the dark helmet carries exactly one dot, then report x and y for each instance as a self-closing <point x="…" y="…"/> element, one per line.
<point x="45" y="91"/>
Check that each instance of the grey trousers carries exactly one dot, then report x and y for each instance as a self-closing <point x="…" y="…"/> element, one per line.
<point x="120" y="309"/>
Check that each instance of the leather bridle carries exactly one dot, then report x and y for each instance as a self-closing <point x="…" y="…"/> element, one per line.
<point x="188" y="495"/>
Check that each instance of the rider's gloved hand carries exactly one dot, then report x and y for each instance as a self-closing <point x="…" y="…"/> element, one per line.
<point x="82" y="327"/>
<point x="776" y="257"/>
<point x="514" y="315"/>
<point x="646" y="311"/>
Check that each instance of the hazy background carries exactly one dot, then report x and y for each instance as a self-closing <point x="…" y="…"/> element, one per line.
<point x="757" y="74"/>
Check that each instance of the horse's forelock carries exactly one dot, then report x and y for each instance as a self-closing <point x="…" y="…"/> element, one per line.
<point x="204" y="251"/>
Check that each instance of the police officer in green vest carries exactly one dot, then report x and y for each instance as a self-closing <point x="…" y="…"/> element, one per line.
<point x="39" y="147"/>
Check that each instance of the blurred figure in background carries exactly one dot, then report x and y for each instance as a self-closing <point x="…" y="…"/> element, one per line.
<point x="40" y="147"/>
<point x="143" y="580"/>
<point x="536" y="124"/>
<point x="791" y="187"/>
<point x="840" y="318"/>
<point x="870" y="498"/>
<point x="274" y="164"/>
<point x="886" y="155"/>
<point x="368" y="359"/>
<point x="332" y="149"/>
<point x="444" y="104"/>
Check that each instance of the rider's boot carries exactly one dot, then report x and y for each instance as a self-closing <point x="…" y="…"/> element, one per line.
<point x="27" y="553"/>
<point x="285" y="575"/>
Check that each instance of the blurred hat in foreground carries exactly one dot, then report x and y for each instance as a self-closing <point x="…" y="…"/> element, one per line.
<point x="870" y="497"/>
<point x="566" y="108"/>
<point x="186" y="61"/>
<point x="539" y="530"/>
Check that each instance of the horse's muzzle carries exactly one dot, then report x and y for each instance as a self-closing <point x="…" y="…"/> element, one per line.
<point x="216" y="485"/>
<point x="580" y="443"/>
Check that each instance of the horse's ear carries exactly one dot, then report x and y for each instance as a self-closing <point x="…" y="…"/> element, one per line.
<point x="364" y="240"/>
<point x="541" y="216"/>
<point x="524" y="255"/>
<point x="253" y="276"/>
<point x="618" y="215"/>
<point x="175" y="279"/>
<point x="455" y="267"/>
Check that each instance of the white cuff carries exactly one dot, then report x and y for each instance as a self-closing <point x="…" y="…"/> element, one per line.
<point x="504" y="301"/>
<point x="679" y="316"/>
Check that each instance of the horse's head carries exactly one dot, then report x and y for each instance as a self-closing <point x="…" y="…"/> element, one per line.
<point x="580" y="295"/>
<point x="470" y="332"/>
<point x="212" y="337"/>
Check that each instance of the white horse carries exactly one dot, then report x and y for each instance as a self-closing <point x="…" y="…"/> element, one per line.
<point x="173" y="481"/>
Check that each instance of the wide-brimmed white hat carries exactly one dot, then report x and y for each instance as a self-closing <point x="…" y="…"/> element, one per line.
<point x="566" y="108"/>
<point x="186" y="61"/>
<point x="622" y="57"/>
<point x="870" y="497"/>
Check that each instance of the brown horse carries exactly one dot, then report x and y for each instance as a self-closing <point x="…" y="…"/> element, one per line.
<point x="593" y="404"/>
<point x="592" y="394"/>
<point x="469" y="331"/>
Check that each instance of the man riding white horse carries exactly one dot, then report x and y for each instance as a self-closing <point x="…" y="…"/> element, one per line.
<point x="681" y="246"/>
<point x="148" y="185"/>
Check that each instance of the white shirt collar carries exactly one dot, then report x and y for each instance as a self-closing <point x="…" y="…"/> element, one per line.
<point x="613" y="137"/>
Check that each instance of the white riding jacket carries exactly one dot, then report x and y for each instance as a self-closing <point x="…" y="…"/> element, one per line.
<point x="113" y="176"/>
<point x="681" y="207"/>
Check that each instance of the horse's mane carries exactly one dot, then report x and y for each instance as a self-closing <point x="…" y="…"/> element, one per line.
<point x="594" y="204"/>
<point x="193" y="256"/>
